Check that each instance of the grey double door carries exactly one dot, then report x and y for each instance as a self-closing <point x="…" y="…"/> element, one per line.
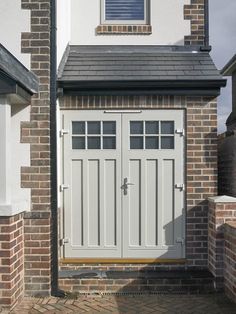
<point x="123" y="172"/>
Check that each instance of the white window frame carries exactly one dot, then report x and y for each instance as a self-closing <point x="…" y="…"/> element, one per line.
<point x="125" y="22"/>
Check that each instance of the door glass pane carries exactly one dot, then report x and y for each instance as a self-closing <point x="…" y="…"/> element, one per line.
<point x="94" y="142"/>
<point x="152" y="142"/>
<point x="78" y="142"/>
<point x="136" y="142"/>
<point x="167" y="142"/>
<point x="78" y="127"/>
<point x="109" y="127"/>
<point x="109" y="142"/>
<point x="94" y="127"/>
<point x="152" y="127"/>
<point x="136" y="127"/>
<point x="167" y="127"/>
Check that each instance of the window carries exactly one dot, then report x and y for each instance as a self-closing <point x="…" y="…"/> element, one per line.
<point x="124" y="11"/>
<point x="94" y="135"/>
<point x="152" y="134"/>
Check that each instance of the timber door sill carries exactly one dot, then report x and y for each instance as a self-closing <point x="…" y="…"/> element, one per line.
<point x="121" y="261"/>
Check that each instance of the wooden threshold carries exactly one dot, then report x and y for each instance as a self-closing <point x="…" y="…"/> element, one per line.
<point x="121" y="261"/>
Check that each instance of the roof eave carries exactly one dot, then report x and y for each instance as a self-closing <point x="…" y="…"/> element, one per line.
<point x="183" y="87"/>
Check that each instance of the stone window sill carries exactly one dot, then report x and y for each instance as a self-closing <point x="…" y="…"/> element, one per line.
<point x="124" y="30"/>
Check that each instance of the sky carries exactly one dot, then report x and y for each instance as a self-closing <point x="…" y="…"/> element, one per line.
<point x="223" y="42"/>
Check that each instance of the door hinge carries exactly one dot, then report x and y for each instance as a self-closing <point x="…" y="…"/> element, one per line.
<point x="181" y="132"/>
<point x="180" y="186"/>
<point x="181" y="241"/>
<point x="64" y="241"/>
<point x="63" y="132"/>
<point x="63" y="187"/>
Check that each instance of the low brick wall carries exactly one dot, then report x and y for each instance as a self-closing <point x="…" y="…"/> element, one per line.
<point x="11" y="260"/>
<point x="222" y="243"/>
<point x="221" y="210"/>
<point x="230" y="260"/>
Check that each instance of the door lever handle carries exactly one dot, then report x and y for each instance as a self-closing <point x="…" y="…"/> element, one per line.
<point x="125" y="186"/>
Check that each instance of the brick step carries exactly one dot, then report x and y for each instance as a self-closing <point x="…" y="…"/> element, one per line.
<point x="172" y="281"/>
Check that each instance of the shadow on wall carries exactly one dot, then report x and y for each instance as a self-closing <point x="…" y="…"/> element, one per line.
<point x="172" y="278"/>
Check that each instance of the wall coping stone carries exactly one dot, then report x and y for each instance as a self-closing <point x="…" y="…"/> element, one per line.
<point x="222" y="199"/>
<point x="230" y="226"/>
<point x="10" y="210"/>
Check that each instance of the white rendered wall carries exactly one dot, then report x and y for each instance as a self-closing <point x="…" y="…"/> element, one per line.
<point x="63" y="26"/>
<point x="5" y="152"/>
<point x="13" y="155"/>
<point x="13" y="21"/>
<point x="167" y="20"/>
<point x="20" y="157"/>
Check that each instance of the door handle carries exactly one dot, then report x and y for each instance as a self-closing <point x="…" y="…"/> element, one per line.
<point x="126" y="185"/>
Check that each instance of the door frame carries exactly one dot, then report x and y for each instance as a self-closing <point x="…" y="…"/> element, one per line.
<point x="62" y="207"/>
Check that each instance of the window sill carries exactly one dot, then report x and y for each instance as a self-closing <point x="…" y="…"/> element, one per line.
<point x="124" y="30"/>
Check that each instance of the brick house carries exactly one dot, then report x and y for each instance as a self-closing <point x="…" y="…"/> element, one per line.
<point x="227" y="141"/>
<point x="120" y="157"/>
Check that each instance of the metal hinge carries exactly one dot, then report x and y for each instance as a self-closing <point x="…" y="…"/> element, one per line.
<point x="63" y="132"/>
<point x="180" y="132"/>
<point x="64" y="241"/>
<point x="181" y="241"/>
<point x="63" y="187"/>
<point x="180" y="186"/>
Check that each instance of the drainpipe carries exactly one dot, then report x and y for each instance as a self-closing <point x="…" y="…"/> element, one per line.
<point x="206" y="24"/>
<point x="53" y="148"/>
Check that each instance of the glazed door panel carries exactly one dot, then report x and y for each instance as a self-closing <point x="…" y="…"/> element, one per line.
<point x="92" y="171"/>
<point x="153" y="208"/>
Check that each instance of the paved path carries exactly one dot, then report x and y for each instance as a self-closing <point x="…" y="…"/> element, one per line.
<point x="174" y="304"/>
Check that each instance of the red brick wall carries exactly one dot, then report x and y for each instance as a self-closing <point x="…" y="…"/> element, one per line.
<point x="201" y="156"/>
<point x="36" y="132"/>
<point x="227" y="164"/>
<point x="195" y="13"/>
<point x="11" y="260"/>
<point x="230" y="260"/>
<point x="219" y="213"/>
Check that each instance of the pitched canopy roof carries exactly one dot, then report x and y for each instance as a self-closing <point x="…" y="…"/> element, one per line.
<point x="230" y="67"/>
<point x="153" y="68"/>
<point x="13" y="70"/>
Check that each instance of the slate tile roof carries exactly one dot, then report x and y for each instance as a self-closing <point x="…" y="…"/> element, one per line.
<point x="13" y="68"/>
<point x="135" y="63"/>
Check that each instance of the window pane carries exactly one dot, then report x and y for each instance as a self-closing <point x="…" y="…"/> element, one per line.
<point x="136" y="127"/>
<point x="78" y="142"/>
<point x="152" y="142"/>
<point x="136" y="142"/>
<point x="94" y="142"/>
<point x="94" y="127"/>
<point x="78" y="127"/>
<point x="109" y="127"/>
<point x="124" y="10"/>
<point x="167" y="142"/>
<point x="109" y="142"/>
<point x="152" y="127"/>
<point x="167" y="127"/>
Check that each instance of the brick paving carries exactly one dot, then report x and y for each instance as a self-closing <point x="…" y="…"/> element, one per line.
<point x="174" y="304"/>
